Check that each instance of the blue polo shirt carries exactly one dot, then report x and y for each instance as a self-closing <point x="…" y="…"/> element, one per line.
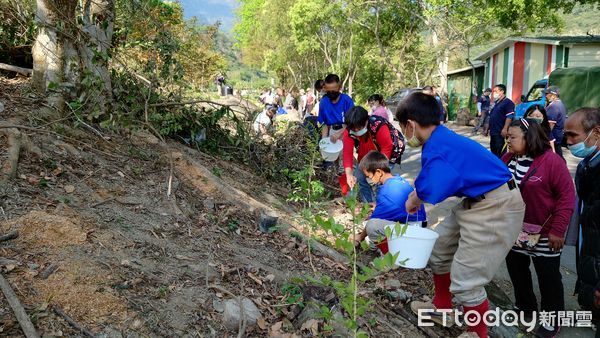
<point x="485" y="103"/>
<point x="333" y="113"/>
<point x="391" y="201"/>
<point x="556" y="112"/>
<point x="454" y="165"/>
<point x="503" y="109"/>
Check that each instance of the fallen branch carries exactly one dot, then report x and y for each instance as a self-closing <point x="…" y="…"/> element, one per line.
<point x="11" y="235"/>
<point x="102" y="202"/>
<point x="6" y="261"/>
<point x="385" y="322"/>
<point x="14" y="149"/>
<point x="72" y="322"/>
<point x="401" y="311"/>
<point x="183" y="103"/>
<point x="22" y="316"/>
<point x="48" y="271"/>
<point x="222" y="289"/>
<point x="61" y="136"/>
<point x="20" y="70"/>
<point x="324" y="249"/>
<point x="94" y="130"/>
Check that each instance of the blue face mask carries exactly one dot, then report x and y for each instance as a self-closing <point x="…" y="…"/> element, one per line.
<point x="580" y="150"/>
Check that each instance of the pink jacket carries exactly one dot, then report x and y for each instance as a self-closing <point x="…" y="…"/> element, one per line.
<point x="381" y="111"/>
<point x="548" y="192"/>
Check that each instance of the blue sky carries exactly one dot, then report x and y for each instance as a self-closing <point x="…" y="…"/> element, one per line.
<point x="209" y="11"/>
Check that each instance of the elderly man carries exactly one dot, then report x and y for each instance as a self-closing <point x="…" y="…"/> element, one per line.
<point x="557" y="112"/>
<point x="582" y="130"/>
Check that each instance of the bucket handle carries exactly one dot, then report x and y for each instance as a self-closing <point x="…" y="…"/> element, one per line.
<point x="407" y="214"/>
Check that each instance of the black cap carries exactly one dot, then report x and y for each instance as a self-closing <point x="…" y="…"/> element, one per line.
<point x="488" y="90"/>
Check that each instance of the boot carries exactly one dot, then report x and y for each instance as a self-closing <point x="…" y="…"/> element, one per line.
<point x="479" y="328"/>
<point x="344" y="184"/>
<point x="442" y="298"/>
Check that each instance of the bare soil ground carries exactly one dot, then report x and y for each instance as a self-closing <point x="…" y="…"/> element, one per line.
<point x="134" y="261"/>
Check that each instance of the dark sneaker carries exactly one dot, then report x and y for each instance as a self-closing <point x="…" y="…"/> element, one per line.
<point x="547" y="332"/>
<point x="527" y="315"/>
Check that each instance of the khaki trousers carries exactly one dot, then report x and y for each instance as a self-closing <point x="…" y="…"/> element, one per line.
<point x="474" y="240"/>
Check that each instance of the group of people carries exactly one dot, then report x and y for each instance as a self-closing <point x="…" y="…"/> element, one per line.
<point x="495" y="111"/>
<point x="518" y="203"/>
<point x="517" y="200"/>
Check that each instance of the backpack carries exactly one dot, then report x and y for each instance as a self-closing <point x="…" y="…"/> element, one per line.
<point x="398" y="146"/>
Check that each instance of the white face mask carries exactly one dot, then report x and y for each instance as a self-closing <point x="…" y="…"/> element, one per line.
<point x="360" y="132"/>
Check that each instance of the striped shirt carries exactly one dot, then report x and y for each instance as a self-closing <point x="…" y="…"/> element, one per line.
<point x="519" y="166"/>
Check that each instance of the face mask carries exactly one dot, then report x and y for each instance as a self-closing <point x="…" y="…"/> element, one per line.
<point x="538" y="120"/>
<point x="333" y="95"/>
<point x="414" y="142"/>
<point x="371" y="182"/>
<point x="580" y="150"/>
<point x="360" y="132"/>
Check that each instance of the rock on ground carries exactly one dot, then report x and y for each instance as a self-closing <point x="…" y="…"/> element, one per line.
<point x="232" y="314"/>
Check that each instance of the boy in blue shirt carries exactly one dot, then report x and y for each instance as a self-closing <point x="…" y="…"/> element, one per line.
<point x="480" y="230"/>
<point x="332" y="108"/>
<point x="392" y="196"/>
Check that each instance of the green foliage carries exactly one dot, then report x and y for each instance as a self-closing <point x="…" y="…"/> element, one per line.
<point x="17" y="30"/>
<point x="155" y="39"/>
<point x="217" y="171"/>
<point x="354" y="305"/>
<point x="305" y="189"/>
<point x="379" y="46"/>
<point x="292" y="294"/>
<point x="233" y="225"/>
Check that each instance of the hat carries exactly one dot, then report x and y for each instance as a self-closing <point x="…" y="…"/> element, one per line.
<point x="553" y="90"/>
<point x="488" y="90"/>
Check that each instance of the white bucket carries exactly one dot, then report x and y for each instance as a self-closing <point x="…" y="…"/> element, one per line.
<point x="415" y="245"/>
<point x="330" y="151"/>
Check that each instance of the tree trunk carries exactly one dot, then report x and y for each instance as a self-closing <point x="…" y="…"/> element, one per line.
<point x="73" y="44"/>
<point x="443" y="72"/>
<point x="442" y="62"/>
<point x="98" y="25"/>
<point x="52" y="50"/>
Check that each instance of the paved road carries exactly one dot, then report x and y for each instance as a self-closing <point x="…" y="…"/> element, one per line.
<point x="411" y="163"/>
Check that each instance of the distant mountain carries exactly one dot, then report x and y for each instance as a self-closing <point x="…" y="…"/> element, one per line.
<point x="211" y="11"/>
